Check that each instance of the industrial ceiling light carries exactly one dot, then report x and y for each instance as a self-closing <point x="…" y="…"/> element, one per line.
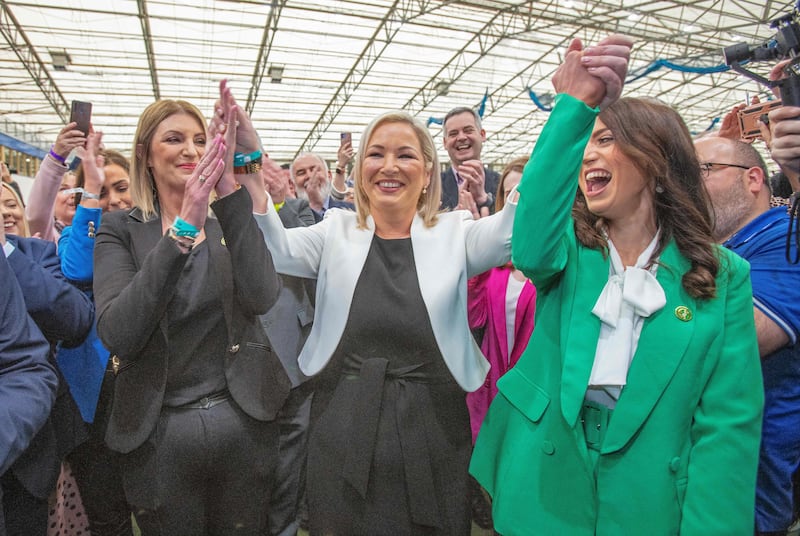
<point x="275" y="72"/>
<point x="442" y="87"/>
<point x="61" y="59"/>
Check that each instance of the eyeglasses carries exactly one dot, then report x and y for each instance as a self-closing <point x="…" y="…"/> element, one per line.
<point x="706" y="167"/>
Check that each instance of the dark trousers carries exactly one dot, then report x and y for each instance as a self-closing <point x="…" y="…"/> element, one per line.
<point x="25" y="515"/>
<point x="290" y="476"/>
<point x="97" y="470"/>
<point x="203" y="472"/>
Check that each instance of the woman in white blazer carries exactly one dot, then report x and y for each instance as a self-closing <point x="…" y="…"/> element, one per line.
<point x="390" y="449"/>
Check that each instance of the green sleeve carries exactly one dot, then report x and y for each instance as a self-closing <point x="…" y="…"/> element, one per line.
<point x="726" y="428"/>
<point x="543" y="228"/>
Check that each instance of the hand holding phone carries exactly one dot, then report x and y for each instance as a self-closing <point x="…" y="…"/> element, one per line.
<point x="81" y="113"/>
<point x="749" y="117"/>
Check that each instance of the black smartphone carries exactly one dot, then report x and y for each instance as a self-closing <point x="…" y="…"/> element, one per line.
<point x="81" y="114"/>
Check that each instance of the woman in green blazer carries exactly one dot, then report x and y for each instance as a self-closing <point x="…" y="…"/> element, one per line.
<point x="636" y="408"/>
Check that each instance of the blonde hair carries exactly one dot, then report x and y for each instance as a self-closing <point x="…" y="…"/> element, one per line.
<point x="431" y="199"/>
<point x="143" y="188"/>
<point x="26" y="230"/>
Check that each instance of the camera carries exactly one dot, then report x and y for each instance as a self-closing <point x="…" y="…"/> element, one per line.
<point x="784" y="44"/>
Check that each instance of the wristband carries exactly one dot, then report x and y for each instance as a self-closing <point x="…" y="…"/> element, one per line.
<point x="89" y="195"/>
<point x="57" y="156"/>
<point x="184" y="228"/>
<point x="246" y="169"/>
<point x="183" y="241"/>
<point x="241" y="159"/>
<point x="339" y="171"/>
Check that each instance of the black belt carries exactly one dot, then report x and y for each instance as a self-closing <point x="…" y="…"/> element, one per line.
<point x="413" y="440"/>
<point x="207" y="402"/>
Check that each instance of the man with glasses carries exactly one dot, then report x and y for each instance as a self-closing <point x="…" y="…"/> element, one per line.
<point x="738" y="185"/>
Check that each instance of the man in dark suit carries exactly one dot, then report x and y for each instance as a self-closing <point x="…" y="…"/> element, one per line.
<point x="287" y="325"/>
<point x="463" y="140"/>
<point x="313" y="183"/>
<point x="28" y="380"/>
<point x="62" y="313"/>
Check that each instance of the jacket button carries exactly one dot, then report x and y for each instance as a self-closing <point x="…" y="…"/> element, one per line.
<point x="547" y="447"/>
<point x="233" y="349"/>
<point x="674" y="464"/>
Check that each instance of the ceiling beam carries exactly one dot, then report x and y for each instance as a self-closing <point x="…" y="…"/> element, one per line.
<point x="144" y="19"/>
<point x="400" y="12"/>
<point x="263" y="53"/>
<point x="23" y="48"/>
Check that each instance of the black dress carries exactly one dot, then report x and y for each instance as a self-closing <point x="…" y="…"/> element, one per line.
<point x="389" y="453"/>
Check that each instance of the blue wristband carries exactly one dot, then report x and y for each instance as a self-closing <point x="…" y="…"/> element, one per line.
<point x="241" y="159"/>
<point x="184" y="228"/>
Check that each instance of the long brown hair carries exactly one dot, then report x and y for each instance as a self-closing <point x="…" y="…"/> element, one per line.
<point x="655" y="138"/>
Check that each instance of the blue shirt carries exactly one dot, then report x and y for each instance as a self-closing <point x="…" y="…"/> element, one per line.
<point x="776" y="282"/>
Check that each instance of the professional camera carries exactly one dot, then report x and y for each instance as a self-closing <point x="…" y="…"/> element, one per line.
<point x="784" y="44"/>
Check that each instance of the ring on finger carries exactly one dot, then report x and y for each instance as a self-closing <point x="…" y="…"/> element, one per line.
<point x="202" y="178"/>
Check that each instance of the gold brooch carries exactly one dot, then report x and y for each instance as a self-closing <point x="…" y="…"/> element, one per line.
<point x="683" y="313"/>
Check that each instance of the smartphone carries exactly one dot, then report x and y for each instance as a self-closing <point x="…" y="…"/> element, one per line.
<point x="748" y="118"/>
<point x="347" y="137"/>
<point x="81" y="113"/>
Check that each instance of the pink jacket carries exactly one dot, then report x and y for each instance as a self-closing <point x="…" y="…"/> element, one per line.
<point x="487" y="309"/>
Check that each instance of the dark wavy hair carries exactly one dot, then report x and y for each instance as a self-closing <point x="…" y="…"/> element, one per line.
<point x="655" y="138"/>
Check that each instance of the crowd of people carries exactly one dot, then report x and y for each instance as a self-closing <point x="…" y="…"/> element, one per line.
<point x="599" y="339"/>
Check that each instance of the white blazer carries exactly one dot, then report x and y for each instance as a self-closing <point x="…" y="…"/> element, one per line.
<point x="446" y="255"/>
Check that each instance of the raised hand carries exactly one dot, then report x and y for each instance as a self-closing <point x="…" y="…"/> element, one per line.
<point x="68" y="138"/>
<point x="785" y="147"/>
<point x="474" y="179"/>
<point x="596" y="74"/>
<point x="92" y="163"/>
<point x="204" y="179"/>
<point x="466" y="201"/>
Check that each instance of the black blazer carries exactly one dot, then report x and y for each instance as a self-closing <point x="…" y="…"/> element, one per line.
<point x="450" y="187"/>
<point x="136" y="270"/>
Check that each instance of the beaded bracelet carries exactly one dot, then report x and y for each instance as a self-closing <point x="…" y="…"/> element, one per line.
<point x="184" y="228"/>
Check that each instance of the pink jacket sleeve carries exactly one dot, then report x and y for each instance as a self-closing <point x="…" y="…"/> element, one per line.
<point x="40" y="210"/>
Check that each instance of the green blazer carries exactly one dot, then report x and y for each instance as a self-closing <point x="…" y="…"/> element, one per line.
<point x="681" y="450"/>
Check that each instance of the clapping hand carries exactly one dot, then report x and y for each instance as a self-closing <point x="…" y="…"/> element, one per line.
<point x="204" y="179"/>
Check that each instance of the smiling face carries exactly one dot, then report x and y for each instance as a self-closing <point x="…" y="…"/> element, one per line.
<point x="613" y="186"/>
<point x="64" y="208"/>
<point x="177" y="146"/>
<point x="12" y="213"/>
<point x="115" y="194"/>
<point x="394" y="171"/>
<point x="463" y="139"/>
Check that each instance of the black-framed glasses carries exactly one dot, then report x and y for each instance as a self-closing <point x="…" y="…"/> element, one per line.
<point x="706" y="167"/>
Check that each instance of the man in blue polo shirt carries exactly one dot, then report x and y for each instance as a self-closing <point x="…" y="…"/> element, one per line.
<point x="738" y="184"/>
